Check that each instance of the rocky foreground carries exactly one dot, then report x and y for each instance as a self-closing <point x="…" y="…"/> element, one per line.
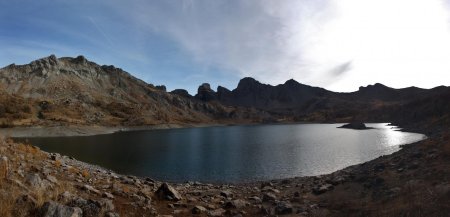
<point x="412" y="182"/>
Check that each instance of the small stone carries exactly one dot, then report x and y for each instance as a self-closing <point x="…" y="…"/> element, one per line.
<point x="198" y="209"/>
<point x="322" y="189"/>
<point x="283" y="208"/>
<point x="90" y="189"/>
<point x="107" y="195"/>
<point x="237" y="204"/>
<point x="226" y="194"/>
<point x="269" y="197"/>
<point x="255" y="199"/>
<point x="112" y="214"/>
<point x="217" y="212"/>
<point x="52" y="179"/>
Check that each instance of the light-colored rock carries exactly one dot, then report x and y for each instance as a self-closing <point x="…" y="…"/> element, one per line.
<point x="34" y="180"/>
<point x="198" y="209"/>
<point x="217" y="212"/>
<point x="53" y="209"/>
<point x="108" y="195"/>
<point x="90" y="189"/>
<point x="52" y="179"/>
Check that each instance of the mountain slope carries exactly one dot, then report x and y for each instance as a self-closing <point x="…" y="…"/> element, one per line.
<point x="77" y="91"/>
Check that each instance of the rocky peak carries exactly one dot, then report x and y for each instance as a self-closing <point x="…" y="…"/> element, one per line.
<point x="291" y="82"/>
<point x="247" y="82"/>
<point x="205" y="93"/>
<point x="376" y="86"/>
<point x="45" y="63"/>
<point x="80" y="60"/>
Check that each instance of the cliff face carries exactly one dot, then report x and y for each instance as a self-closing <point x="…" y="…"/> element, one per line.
<point x="77" y="91"/>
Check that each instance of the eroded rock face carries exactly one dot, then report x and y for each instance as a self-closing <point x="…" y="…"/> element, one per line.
<point x="167" y="192"/>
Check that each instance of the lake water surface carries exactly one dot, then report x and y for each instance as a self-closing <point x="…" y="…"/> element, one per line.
<point x="232" y="153"/>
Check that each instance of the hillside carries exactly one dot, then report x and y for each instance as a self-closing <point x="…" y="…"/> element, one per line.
<point x="53" y="91"/>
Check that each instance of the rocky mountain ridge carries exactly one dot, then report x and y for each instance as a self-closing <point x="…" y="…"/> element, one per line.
<point x="54" y="91"/>
<point x="77" y="91"/>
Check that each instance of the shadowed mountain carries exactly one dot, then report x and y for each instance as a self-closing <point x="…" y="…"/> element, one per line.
<point x="302" y="102"/>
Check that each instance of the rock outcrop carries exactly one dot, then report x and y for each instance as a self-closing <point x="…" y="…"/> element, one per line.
<point x="355" y="126"/>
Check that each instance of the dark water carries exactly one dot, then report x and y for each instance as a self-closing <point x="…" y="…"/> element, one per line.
<point x="234" y="153"/>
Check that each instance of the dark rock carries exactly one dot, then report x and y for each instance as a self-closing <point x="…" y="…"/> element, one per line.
<point x="236" y="204"/>
<point x="167" y="192"/>
<point x="269" y="197"/>
<point x="161" y="87"/>
<point x="283" y="208"/>
<point x="355" y="126"/>
<point x="205" y="93"/>
<point x="181" y="92"/>
<point x="226" y="194"/>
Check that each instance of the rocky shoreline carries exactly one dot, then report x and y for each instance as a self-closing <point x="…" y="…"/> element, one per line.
<point x="411" y="182"/>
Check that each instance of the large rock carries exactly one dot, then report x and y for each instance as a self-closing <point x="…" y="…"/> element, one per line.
<point x="53" y="209"/>
<point x="356" y="126"/>
<point x="167" y="192"/>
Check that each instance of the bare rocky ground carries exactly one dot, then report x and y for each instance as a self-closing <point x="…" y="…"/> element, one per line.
<point x="412" y="182"/>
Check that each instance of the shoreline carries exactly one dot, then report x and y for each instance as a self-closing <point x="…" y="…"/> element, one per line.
<point x="83" y="130"/>
<point x="373" y="188"/>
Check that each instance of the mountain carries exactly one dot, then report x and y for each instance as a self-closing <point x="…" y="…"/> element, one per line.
<point x="77" y="91"/>
<point x="301" y="102"/>
<point x="55" y="91"/>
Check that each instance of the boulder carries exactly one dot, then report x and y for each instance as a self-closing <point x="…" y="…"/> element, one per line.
<point x="167" y="192"/>
<point x="53" y="209"/>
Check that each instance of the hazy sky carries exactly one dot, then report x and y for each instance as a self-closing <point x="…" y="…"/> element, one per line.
<point x="336" y="44"/>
